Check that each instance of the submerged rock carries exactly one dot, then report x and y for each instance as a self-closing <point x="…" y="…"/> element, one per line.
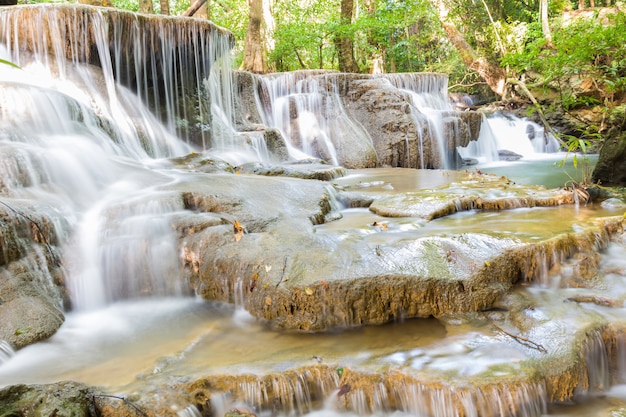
<point x="320" y="172"/>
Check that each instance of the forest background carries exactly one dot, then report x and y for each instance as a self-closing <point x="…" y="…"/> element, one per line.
<point x="556" y="60"/>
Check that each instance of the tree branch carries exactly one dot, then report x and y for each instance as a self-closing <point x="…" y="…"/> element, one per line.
<point x="194" y="8"/>
<point x="521" y="340"/>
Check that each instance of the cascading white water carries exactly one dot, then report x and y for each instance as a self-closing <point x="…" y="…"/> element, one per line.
<point x="428" y="93"/>
<point x="307" y="107"/>
<point x="6" y="351"/>
<point x="311" y="121"/>
<point x="521" y="138"/>
<point x="87" y="115"/>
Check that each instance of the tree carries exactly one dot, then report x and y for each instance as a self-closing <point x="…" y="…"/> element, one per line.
<point x="146" y="6"/>
<point x="493" y="74"/>
<point x="545" y="23"/>
<point x="344" y="39"/>
<point x="194" y="7"/>
<point x="257" y="38"/>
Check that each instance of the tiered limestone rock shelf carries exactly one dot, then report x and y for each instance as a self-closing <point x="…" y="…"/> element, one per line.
<point x="302" y="276"/>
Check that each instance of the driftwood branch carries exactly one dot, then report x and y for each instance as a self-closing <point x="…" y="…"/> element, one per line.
<point x="521" y="340"/>
<point x="282" y="276"/>
<point x="594" y="299"/>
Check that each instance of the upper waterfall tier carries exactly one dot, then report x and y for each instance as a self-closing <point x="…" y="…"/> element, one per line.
<point x="156" y="79"/>
<point x="360" y="120"/>
<point x="165" y="61"/>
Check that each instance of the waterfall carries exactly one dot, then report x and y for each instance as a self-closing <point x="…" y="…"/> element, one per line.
<point x="309" y="108"/>
<point x="309" y="113"/>
<point x="100" y="98"/>
<point x="6" y="351"/>
<point x="485" y="148"/>
<point x="513" y="136"/>
<point x="429" y="90"/>
<point x="597" y="363"/>
<point x="429" y="96"/>
<point x="111" y="59"/>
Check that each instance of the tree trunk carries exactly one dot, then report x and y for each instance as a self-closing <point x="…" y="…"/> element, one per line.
<point x="344" y="42"/>
<point x="165" y="7"/>
<point x="545" y="23"/>
<point x="146" y="6"/>
<point x="254" y="53"/>
<point x="492" y="73"/>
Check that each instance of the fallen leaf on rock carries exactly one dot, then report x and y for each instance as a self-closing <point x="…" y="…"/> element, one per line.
<point x="255" y="276"/>
<point x="343" y="390"/>
<point x="381" y="226"/>
<point x="238" y="229"/>
<point x="268" y="268"/>
<point x="487" y="263"/>
<point x="308" y="291"/>
<point x="268" y="301"/>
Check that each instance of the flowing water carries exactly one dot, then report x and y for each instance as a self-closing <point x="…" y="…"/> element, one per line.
<point x="90" y="149"/>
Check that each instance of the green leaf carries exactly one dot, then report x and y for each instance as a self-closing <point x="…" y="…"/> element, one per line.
<point x="9" y="63"/>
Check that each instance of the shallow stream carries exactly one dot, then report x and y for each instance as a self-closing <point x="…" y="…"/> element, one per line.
<point x="130" y="343"/>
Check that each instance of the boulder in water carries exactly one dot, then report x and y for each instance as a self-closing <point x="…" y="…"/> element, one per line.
<point x="505" y="155"/>
<point x="611" y="166"/>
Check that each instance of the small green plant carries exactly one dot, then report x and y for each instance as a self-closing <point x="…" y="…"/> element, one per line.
<point x="577" y="147"/>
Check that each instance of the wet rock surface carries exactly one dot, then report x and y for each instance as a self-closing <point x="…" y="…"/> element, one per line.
<point x="31" y="278"/>
<point x="534" y="348"/>
<point x="611" y="166"/>
<point x="299" y="273"/>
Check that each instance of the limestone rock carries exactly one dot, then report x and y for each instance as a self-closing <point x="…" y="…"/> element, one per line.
<point x="372" y="123"/>
<point x="308" y="277"/>
<point x="67" y="399"/>
<point x="611" y="166"/>
<point x="31" y="293"/>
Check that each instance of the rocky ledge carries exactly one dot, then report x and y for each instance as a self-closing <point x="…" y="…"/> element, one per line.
<point x="283" y="241"/>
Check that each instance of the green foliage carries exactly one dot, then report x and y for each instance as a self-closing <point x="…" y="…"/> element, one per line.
<point x="130" y="5"/>
<point x="304" y="34"/>
<point x="586" y="65"/>
<point x="577" y="147"/>
<point x="404" y="36"/>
